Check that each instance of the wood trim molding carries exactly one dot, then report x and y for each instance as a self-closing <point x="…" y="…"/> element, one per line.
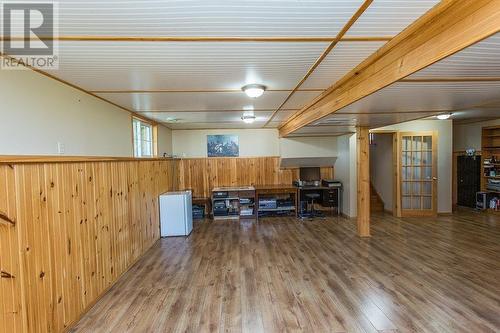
<point x="325" y="53"/>
<point x="319" y="135"/>
<point x="39" y="159"/>
<point x="444" y="30"/>
<point x="396" y="188"/>
<point x="168" y="91"/>
<point x="450" y="79"/>
<point x="211" y="110"/>
<point x="297" y="39"/>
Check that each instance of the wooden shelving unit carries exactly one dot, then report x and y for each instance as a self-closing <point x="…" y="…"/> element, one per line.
<point x="239" y="201"/>
<point x="490" y="157"/>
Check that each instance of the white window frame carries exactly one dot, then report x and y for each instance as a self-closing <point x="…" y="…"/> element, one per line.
<point x="143" y="137"/>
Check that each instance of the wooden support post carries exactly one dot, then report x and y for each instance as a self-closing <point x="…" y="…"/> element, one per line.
<point x="363" y="168"/>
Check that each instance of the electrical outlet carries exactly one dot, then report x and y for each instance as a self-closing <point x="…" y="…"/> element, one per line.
<point x="60" y="148"/>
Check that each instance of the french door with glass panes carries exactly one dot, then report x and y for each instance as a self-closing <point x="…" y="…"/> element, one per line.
<point x="418" y="173"/>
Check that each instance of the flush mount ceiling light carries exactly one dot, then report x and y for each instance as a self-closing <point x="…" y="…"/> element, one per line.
<point x="254" y="90"/>
<point x="444" y="116"/>
<point x="248" y="117"/>
<point x="171" y="120"/>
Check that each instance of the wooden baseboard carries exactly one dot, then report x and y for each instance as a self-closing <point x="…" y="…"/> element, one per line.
<point x="445" y="214"/>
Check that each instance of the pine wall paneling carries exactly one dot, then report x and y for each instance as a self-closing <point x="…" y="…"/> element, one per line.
<point x="78" y="227"/>
<point x="70" y="227"/>
<point x="203" y="174"/>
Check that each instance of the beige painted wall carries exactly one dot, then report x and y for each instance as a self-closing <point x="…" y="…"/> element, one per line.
<point x="469" y="135"/>
<point x="253" y="143"/>
<point x="37" y="113"/>
<point x="164" y="141"/>
<point x="308" y="147"/>
<point x="445" y="152"/>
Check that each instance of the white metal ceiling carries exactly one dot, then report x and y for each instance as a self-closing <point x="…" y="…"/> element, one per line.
<point x="479" y="60"/>
<point x="97" y="66"/>
<point x="342" y="59"/>
<point x="205" y="18"/>
<point x="372" y="120"/>
<point x="185" y="65"/>
<point x="428" y="96"/>
<point x="389" y="17"/>
<point x="180" y="101"/>
<point x="404" y="101"/>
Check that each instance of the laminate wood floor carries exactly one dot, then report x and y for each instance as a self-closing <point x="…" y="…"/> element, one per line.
<point x="281" y="274"/>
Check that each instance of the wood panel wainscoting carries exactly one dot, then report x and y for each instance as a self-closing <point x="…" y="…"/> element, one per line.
<point x="203" y="174"/>
<point x="68" y="230"/>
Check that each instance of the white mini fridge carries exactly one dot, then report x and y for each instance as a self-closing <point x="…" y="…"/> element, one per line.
<point x="176" y="214"/>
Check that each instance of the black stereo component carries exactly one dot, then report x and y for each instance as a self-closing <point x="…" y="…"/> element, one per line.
<point x="267" y="203"/>
<point x="220" y="194"/>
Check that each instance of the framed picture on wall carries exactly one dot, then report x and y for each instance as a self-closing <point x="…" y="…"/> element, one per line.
<point x="223" y="146"/>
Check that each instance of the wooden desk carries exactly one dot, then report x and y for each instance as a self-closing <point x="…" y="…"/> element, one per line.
<point x="276" y="189"/>
<point x="326" y="195"/>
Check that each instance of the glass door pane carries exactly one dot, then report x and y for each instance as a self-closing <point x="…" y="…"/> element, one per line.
<point x="417" y="172"/>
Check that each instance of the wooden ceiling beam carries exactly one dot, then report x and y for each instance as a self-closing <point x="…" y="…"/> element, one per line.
<point x="447" y="28"/>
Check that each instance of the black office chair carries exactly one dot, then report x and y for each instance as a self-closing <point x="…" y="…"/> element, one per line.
<point x="312" y="197"/>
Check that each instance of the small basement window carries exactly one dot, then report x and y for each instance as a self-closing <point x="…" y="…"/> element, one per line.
<point x="143" y="138"/>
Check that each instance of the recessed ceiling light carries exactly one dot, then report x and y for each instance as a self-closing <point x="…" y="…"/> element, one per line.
<point x="254" y="90"/>
<point x="443" y="116"/>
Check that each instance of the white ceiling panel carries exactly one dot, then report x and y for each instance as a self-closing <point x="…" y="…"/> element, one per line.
<point x="235" y="125"/>
<point x="300" y="98"/>
<point x="479" y="60"/>
<point x="428" y="96"/>
<point x="476" y="113"/>
<point x="341" y="60"/>
<point x="283" y="115"/>
<point x="204" y="117"/>
<point x="326" y="130"/>
<point x="372" y="120"/>
<point x="177" y="65"/>
<point x="205" y="18"/>
<point x="389" y="17"/>
<point x="177" y="101"/>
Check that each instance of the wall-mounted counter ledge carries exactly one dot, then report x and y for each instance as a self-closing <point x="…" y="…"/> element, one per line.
<point x="6" y="159"/>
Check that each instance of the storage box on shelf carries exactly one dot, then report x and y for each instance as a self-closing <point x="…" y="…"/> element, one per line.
<point x="490" y="146"/>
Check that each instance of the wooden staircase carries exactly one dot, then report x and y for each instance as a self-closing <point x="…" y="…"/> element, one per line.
<point x="376" y="203"/>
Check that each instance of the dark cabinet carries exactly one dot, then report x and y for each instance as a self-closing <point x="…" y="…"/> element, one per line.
<point x="468" y="180"/>
<point x="330" y="198"/>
